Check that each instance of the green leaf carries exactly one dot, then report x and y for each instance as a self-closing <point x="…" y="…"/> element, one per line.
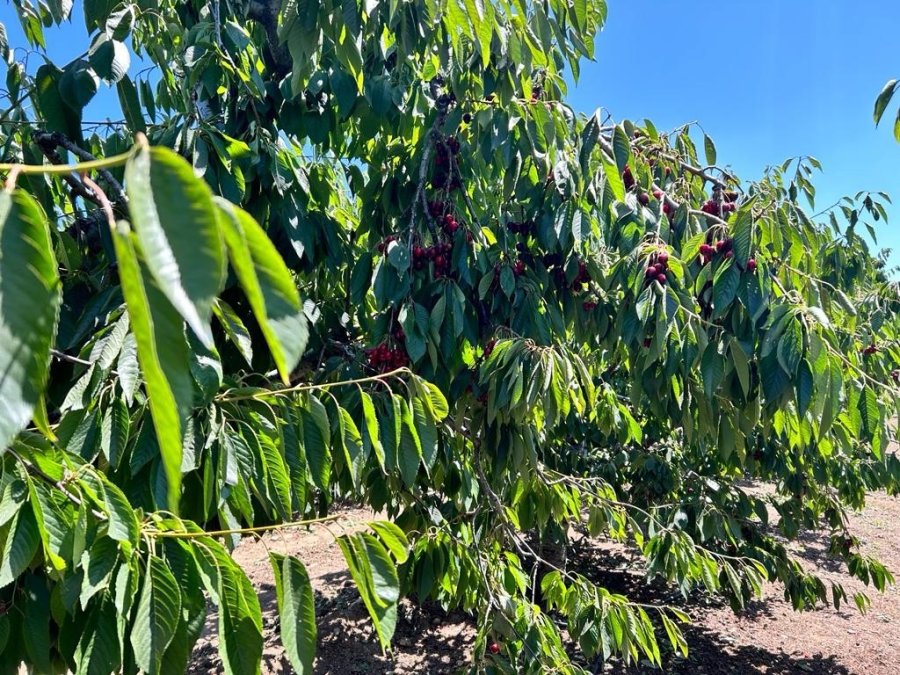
<point x="29" y="307"/>
<point x="292" y="433"/>
<point x="109" y="58"/>
<point x="156" y="617"/>
<point x="18" y="545"/>
<point x="269" y="286"/>
<point x="178" y="232"/>
<point x="371" y="433"/>
<point x="410" y="452"/>
<point x="870" y="414"/>
<point x="884" y="98"/>
<point x="99" y="649"/>
<point x="712" y="367"/>
<point x="804" y="387"/>
<point x="162" y="353"/>
<point x="790" y="346"/>
<point x="114" y="431"/>
<point x="35" y="600"/>
<point x="56" y="113"/>
<point x="14" y="495"/>
<point x="235" y="329"/>
<point x="613" y="178"/>
<point x="131" y="105"/>
<point x="353" y="445"/>
<point x="725" y="286"/>
<point x="621" y="148"/>
<point x="359" y="557"/>
<point x="709" y="149"/>
<point x="426" y="431"/>
<point x="98" y="564"/>
<point x="278" y="483"/>
<point x="316" y="441"/>
<point x="741" y="234"/>
<point x="127" y="368"/>
<point x="393" y="538"/>
<point x="240" y="619"/>
<point x="78" y="84"/>
<point x="741" y="366"/>
<point x="296" y="610"/>
<point x="507" y="281"/>
<point x="477" y="11"/>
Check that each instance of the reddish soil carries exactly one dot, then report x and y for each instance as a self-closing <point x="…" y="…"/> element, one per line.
<point x="769" y="637"/>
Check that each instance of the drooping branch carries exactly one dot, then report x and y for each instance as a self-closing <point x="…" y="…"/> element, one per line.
<point x="265" y="13"/>
<point x="49" y="141"/>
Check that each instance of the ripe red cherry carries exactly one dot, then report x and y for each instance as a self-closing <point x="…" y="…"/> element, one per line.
<point x="729" y="254"/>
<point x="647" y="342"/>
<point x="661" y="278"/>
<point x="751" y="265"/>
<point x="657" y="194"/>
<point x="644" y="198"/>
<point x="720" y="245"/>
<point x="489" y="347"/>
<point x="705" y="250"/>
<point x="663" y="258"/>
<point x="651" y="272"/>
<point x="494" y="648"/>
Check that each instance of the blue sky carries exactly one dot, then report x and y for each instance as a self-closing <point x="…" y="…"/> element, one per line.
<point x="767" y="80"/>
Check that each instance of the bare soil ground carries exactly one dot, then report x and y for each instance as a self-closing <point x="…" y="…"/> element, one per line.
<point x="769" y="637"/>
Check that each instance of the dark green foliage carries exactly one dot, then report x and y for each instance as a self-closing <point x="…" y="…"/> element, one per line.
<point x="366" y="251"/>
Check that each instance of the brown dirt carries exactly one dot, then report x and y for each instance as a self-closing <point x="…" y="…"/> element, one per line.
<point x="426" y="641"/>
<point x="769" y="637"/>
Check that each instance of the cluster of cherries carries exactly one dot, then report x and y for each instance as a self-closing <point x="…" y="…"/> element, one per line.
<point x="489" y="348"/>
<point x="644" y="199"/>
<point x="442" y="177"/>
<point x="384" y="243"/>
<point x="439" y="210"/>
<point x="582" y="279"/>
<point x="384" y="358"/>
<point x="439" y="254"/>
<point x="724" y="248"/>
<point x="712" y="207"/>
<point x="870" y="349"/>
<point x="526" y="228"/>
<point x="657" y="266"/>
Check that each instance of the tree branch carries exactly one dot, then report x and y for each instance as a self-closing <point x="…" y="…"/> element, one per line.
<point x="265" y="13"/>
<point x="49" y="141"/>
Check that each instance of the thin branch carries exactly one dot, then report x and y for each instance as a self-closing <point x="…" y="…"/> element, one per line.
<point x="62" y="169"/>
<point x="226" y="397"/>
<point x="39" y="473"/>
<point x="62" y="356"/>
<point x="242" y="530"/>
<point x="57" y="139"/>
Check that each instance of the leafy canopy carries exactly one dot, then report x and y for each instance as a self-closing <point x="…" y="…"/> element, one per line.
<point x="366" y="250"/>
